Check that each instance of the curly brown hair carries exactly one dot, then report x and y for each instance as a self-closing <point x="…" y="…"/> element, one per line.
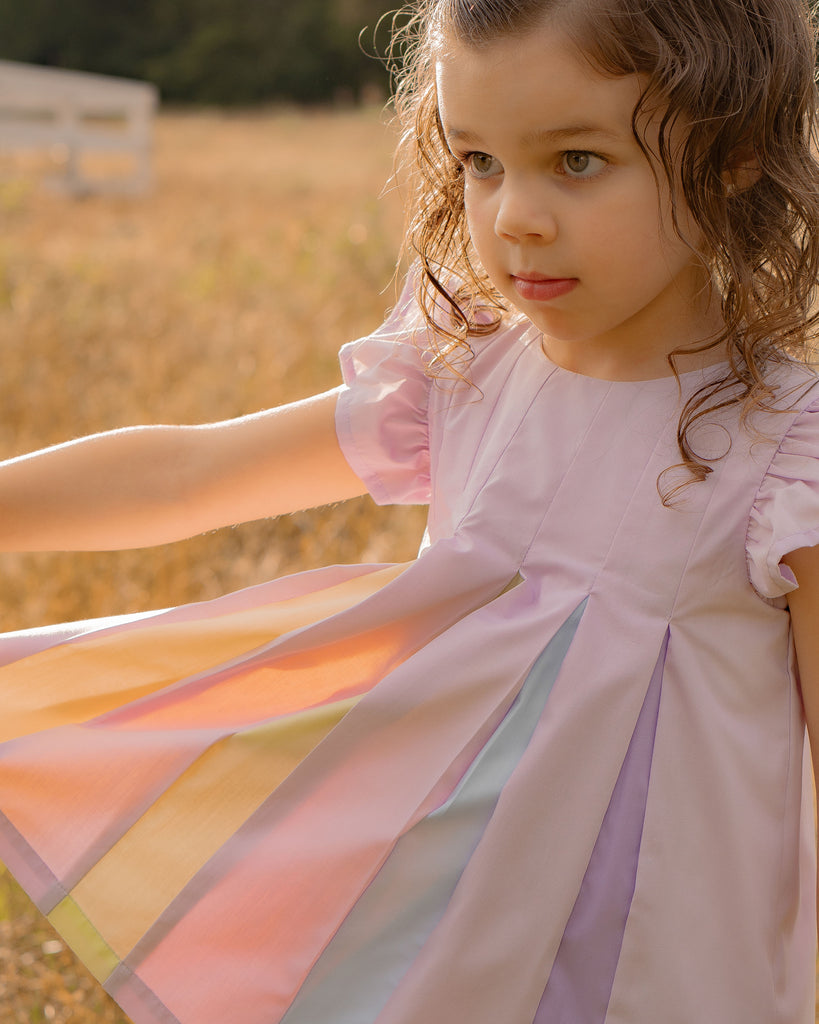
<point x="740" y="77"/>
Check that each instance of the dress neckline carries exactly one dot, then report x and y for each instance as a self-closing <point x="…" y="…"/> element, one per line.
<point x="532" y="339"/>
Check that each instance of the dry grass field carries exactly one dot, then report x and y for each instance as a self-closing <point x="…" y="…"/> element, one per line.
<point x="263" y="247"/>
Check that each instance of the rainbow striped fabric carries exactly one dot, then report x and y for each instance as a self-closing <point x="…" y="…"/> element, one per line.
<point x="134" y="757"/>
<point x="228" y="821"/>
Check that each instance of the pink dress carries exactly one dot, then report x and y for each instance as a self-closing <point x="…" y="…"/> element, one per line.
<point x="551" y="772"/>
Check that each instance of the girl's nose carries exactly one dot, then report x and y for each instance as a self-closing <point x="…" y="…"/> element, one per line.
<point x="524" y="213"/>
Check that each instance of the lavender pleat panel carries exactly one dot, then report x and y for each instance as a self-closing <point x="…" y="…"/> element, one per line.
<point x="369" y="954"/>
<point x="582" y="976"/>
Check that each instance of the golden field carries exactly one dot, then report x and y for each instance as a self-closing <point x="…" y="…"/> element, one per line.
<point x="265" y="245"/>
<point x="263" y="248"/>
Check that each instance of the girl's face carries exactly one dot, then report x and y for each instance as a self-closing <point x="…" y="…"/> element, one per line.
<point x="564" y="210"/>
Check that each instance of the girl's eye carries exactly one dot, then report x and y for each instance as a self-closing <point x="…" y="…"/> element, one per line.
<point x="577" y="163"/>
<point x="482" y="165"/>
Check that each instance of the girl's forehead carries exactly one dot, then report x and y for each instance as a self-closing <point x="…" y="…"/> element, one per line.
<point x="537" y="83"/>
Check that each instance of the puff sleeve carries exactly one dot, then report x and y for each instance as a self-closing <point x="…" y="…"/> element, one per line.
<point x="381" y="413"/>
<point x="785" y="514"/>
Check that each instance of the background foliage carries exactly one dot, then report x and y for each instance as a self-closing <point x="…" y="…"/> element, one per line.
<point x="207" y="51"/>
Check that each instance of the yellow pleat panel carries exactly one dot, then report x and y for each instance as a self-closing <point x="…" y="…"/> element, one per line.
<point x="74" y="682"/>
<point x="134" y="882"/>
<point x="84" y="939"/>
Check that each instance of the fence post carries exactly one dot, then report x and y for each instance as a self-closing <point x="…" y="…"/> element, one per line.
<point x="82" y="113"/>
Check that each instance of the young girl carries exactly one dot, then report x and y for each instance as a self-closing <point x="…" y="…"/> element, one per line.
<point x="553" y="771"/>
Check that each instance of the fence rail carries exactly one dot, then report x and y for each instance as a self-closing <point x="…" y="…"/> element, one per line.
<point x="74" y="114"/>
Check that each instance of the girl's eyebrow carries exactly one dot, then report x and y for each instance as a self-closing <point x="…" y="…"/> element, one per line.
<point x="541" y="136"/>
<point x="460" y="136"/>
<point x="570" y="131"/>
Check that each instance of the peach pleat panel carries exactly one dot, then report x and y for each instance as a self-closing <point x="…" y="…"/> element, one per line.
<point x="75" y="682"/>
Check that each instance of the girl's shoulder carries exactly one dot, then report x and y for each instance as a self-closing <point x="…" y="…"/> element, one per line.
<point x="397" y="387"/>
<point x="795" y="385"/>
<point x="785" y="511"/>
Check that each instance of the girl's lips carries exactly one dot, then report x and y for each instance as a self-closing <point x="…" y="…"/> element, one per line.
<point x="542" y="289"/>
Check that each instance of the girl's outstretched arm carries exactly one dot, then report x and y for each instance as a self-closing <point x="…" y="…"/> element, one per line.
<point x="804" y="607"/>
<point x="149" y="485"/>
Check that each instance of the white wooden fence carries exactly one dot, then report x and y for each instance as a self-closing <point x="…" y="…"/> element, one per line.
<point x="73" y="114"/>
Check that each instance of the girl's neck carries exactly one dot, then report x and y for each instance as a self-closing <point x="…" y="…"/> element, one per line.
<point x="639" y="349"/>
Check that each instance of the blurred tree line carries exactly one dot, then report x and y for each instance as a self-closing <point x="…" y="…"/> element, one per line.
<point x="207" y="51"/>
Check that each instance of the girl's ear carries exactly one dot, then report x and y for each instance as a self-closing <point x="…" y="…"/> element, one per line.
<point x="742" y="170"/>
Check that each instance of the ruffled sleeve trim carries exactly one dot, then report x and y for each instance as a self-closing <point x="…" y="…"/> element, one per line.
<point x="785" y="513"/>
<point x="382" y="409"/>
